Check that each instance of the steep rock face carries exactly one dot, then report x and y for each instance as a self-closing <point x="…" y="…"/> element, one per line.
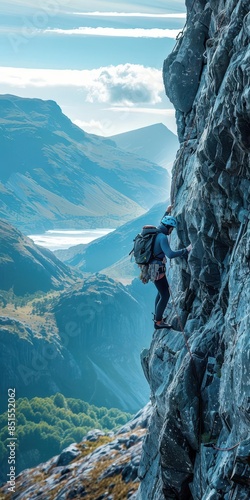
<point x="198" y="444"/>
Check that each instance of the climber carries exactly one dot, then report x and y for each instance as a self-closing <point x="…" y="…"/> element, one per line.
<point x="161" y="251"/>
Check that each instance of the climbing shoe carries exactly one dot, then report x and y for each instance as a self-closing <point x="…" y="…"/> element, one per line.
<point x="159" y="326"/>
<point x="163" y="319"/>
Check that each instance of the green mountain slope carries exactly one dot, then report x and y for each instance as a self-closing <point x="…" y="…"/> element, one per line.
<point x="27" y="268"/>
<point x="54" y="175"/>
<point x="78" y="336"/>
<point x="85" y="343"/>
<point x="48" y="425"/>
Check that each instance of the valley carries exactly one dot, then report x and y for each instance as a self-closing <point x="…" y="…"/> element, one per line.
<point x="73" y="322"/>
<point x="54" y="175"/>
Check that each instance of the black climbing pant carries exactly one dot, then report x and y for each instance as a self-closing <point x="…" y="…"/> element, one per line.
<point x="161" y="298"/>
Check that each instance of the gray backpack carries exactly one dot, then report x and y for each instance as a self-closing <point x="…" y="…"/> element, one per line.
<point x="144" y="245"/>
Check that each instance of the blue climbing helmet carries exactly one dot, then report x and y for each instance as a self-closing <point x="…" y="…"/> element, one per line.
<point x="169" y="221"/>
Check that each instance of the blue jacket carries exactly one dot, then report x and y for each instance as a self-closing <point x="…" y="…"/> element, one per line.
<point x="162" y="248"/>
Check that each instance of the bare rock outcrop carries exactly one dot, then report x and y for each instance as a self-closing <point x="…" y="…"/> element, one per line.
<point x="101" y="466"/>
<point x="198" y="444"/>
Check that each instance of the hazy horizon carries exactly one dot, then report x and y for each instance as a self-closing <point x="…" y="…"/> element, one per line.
<point x="56" y="239"/>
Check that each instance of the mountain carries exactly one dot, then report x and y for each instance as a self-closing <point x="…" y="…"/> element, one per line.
<point x="156" y="143"/>
<point x="108" y="250"/>
<point x="54" y="175"/>
<point x="79" y="340"/>
<point x="84" y="345"/>
<point x="122" y="270"/>
<point x="64" y="332"/>
<point x="99" y="320"/>
<point x="27" y="268"/>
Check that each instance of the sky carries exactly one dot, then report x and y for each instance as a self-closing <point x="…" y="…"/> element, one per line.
<point x="100" y="61"/>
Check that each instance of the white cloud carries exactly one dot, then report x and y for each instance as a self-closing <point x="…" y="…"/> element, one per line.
<point x="141" y="6"/>
<point x="94" y="5"/>
<point x="116" y="32"/>
<point x="154" y="111"/>
<point x="34" y="77"/>
<point x="130" y="14"/>
<point x="93" y="126"/>
<point x="125" y="84"/>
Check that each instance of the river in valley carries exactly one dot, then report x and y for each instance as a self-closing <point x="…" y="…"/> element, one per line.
<point x="63" y="239"/>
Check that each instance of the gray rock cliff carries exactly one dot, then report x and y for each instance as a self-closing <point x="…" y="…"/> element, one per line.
<point x="198" y="441"/>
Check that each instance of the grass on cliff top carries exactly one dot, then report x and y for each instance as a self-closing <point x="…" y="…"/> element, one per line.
<point x="94" y="485"/>
<point x="95" y="488"/>
<point x="32" y="310"/>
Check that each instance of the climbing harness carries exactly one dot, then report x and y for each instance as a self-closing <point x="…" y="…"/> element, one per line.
<point x="152" y="272"/>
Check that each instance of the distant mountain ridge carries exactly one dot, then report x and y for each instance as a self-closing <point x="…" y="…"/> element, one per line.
<point x="66" y="333"/>
<point x="115" y="246"/>
<point x="155" y="143"/>
<point x="55" y="175"/>
<point x="89" y="348"/>
<point x="27" y="268"/>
